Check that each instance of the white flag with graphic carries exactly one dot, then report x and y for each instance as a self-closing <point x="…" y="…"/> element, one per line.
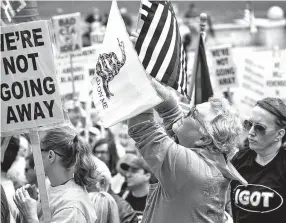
<point x="121" y="87"/>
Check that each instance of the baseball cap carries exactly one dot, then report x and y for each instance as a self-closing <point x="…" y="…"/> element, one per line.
<point x="134" y="161"/>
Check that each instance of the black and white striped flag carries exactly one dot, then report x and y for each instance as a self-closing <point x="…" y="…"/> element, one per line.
<point x="160" y="47"/>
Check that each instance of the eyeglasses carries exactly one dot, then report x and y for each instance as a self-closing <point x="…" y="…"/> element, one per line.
<point x="193" y="113"/>
<point x="61" y="155"/>
<point x="259" y="129"/>
<point x="97" y="152"/>
<point x="133" y="170"/>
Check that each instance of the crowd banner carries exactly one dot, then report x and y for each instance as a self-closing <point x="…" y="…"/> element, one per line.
<point x="223" y="66"/>
<point x="121" y="86"/>
<point x="29" y="91"/>
<point x="67" y="30"/>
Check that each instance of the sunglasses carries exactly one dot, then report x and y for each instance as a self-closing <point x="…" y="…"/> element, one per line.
<point x="192" y="114"/>
<point x="259" y="129"/>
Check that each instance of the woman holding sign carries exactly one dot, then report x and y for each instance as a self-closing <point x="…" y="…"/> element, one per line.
<point x="68" y="166"/>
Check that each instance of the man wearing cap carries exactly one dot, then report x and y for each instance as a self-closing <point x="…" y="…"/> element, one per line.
<point x="263" y="165"/>
<point x="193" y="171"/>
<point x="137" y="177"/>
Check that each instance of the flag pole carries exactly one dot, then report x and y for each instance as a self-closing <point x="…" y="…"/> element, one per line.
<point x="72" y="75"/>
<point x="203" y="21"/>
<point x="138" y="18"/>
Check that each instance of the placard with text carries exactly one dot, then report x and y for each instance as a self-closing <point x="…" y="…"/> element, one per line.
<point x="29" y="90"/>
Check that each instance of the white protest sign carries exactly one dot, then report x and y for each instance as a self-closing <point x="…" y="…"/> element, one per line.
<point x="252" y="83"/>
<point x="67" y="30"/>
<point x="81" y="60"/>
<point x="223" y="66"/>
<point x="85" y="55"/>
<point x="29" y="91"/>
<point x="276" y="76"/>
<point x="120" y="84"/>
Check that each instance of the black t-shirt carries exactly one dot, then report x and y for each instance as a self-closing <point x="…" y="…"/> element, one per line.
<point x="264" y="199"/>
<point x="137" y="203"/>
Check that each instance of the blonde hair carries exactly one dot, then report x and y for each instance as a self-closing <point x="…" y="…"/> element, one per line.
<point x="105" y="207"/>
<point x="222" y="130"/>
<point x="103" y="177"/>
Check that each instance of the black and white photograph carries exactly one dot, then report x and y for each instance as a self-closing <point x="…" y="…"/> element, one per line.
<point x="140" y="111"/>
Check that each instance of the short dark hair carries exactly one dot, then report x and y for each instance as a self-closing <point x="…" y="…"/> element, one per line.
<point x="112" y="150"/>
<point x="276" y="107"/>
<point x="10" y="153"/>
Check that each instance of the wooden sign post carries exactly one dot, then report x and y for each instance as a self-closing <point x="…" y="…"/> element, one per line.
<point x="40" y="173"/>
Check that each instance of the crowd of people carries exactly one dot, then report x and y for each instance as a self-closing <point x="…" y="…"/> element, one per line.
<point x="182" y="168"/>
<point x="159" y="167"/>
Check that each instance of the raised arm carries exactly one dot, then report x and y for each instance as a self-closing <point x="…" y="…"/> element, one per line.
<point x="168" y="110"/>
<point x="171" y="163"/>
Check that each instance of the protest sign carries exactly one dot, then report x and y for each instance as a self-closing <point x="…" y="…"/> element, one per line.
<point x="85" y="56"/>
<point x="120" y="85"/>
<point x="252" y="83"/>
<point x="68" y="32"/>
<point x="81" y="60"/>
<point x="276" y="76"/>
<point x="29" y="91"/>
<point x="80" y="78"/>
<point x="223" y="66"/>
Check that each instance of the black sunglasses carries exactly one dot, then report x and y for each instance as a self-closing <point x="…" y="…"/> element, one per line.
<point x="259" y="129"/>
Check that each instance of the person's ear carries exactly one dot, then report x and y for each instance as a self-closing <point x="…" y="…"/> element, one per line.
<point x="148" y="176"/>
<point x="51" y="156"/>
<point x="280" y="134"/>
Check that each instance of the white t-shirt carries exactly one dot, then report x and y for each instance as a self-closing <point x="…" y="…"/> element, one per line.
<point x="69" y="203"/>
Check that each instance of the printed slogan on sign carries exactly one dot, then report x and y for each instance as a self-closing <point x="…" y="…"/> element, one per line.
<point x="224" y="67"/>
<point x="68" y="32"/>
<point x="29" y="92"/>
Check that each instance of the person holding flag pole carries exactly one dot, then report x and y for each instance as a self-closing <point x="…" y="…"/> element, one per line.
<point x="190" y="158"/>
